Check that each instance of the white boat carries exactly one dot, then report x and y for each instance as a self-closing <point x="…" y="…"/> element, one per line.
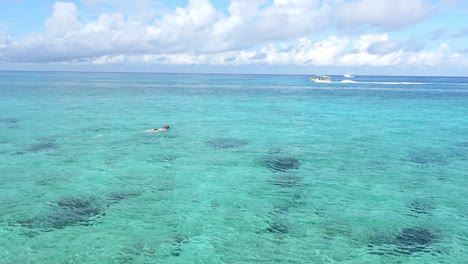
<point x="320" y="79"/>
<point x="347" y="75"/>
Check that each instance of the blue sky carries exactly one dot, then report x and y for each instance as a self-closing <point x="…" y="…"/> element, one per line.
<point x="386" y="37"/>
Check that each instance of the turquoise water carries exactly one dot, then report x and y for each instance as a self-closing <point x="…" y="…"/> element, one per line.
<point x="255" y="169"/>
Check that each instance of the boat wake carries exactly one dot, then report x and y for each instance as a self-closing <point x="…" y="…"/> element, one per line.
<point x="350" y="81"/>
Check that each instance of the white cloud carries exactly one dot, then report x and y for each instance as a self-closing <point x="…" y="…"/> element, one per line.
<point x="278" y="32"/>
<point x="184" y="29"/>
<point x="64" y="19"/>
<point x="118" y="59"/>
<point x="367" y="40"/>
<point x="429" y="58"/>
<point x="333" y="51"/>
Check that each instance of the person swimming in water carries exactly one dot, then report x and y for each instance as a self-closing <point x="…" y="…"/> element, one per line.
<point x="156" y="130"/>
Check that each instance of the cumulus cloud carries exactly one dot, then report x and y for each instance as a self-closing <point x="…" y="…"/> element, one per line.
<point x="276" y="32"/>
<point x="64" y="19"/>
<point x="365" y="41"/>
<point x="185" y="29"/>
<point x="333" y="51"/>
<point x="428" y="58"/>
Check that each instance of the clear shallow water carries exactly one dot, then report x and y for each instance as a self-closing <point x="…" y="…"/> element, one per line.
<point x="255" y="169"/>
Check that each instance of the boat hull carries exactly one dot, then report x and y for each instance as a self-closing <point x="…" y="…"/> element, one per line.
<point x="319" y="81"/>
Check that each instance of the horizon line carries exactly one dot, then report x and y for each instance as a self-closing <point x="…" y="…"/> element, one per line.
<point x="214" y="73"/>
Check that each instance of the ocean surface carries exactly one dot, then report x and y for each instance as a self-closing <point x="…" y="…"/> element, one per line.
<point x="254" y="169"/>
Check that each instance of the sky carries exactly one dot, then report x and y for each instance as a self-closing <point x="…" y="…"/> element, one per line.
<point x="366" y="37"/>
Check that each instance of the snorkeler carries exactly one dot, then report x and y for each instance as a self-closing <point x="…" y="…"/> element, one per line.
<point x="156" y="130"/>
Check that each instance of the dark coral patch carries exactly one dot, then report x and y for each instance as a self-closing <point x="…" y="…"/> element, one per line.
<point x="226" y="143"/>
<point x="8" y="121"/>
<point x="428" y="158"/>
<point x="78" y="216"/>
<point x="68" y="212"/>
<point x="177" y="244"/>
<point x="74" y="203"/>
<point x="412" y="240"/>
<point x="277" y="228"/>
<point x="42" y="147"/>
<point x="63" y="218"/>
<point x="280" y="163"/>
<point x="408" y="241"/>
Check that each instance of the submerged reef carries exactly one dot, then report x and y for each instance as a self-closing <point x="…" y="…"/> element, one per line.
<point x="427" y="158"/>
<point x="8" y="121"/>
<point x="277" y="228"/>
<point x="72" y="211"/>
<point x="42" y="147"/>
<point x="411" y="240"/>
<point x="177" y="244"/>
<point x="406" y="242"/>
<point x="67" y="212"/>
<point x="74" y="203"/>
<point x="280" y="163"/>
